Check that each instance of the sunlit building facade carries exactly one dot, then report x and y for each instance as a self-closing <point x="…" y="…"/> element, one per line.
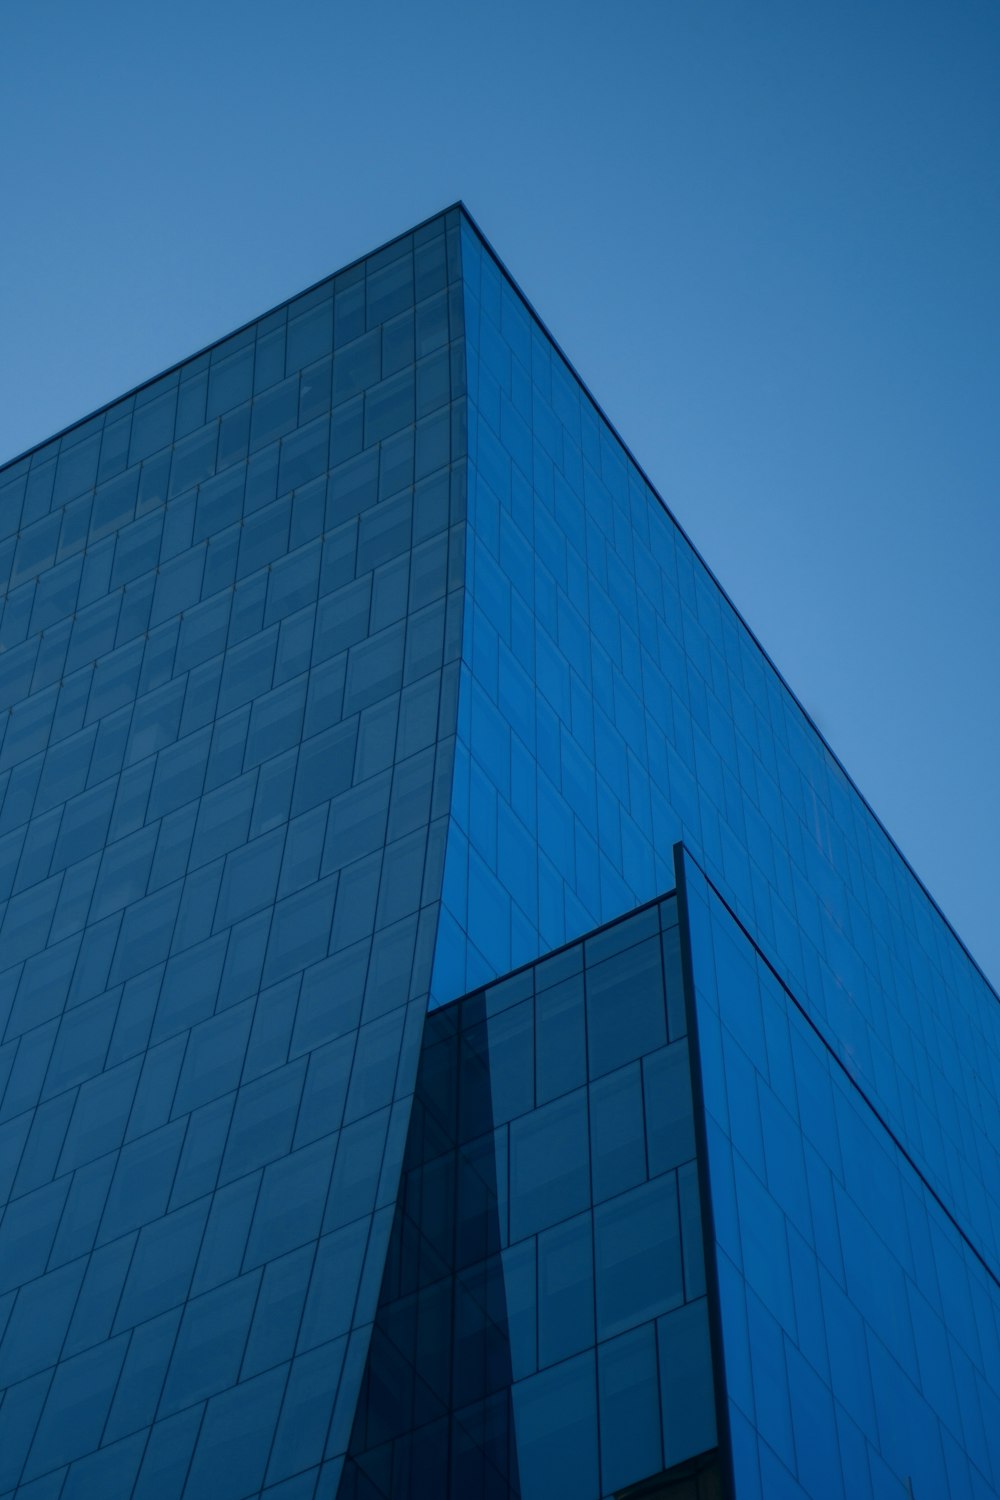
<point x="462" y="1033"/>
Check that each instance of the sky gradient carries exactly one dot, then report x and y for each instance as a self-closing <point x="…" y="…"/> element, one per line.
<point x="767" y="237"/>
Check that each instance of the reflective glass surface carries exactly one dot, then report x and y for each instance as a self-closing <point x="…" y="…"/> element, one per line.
<point x="613" y="703"/>
<point x="345" y="668"/>
<point x="231" y="626"/>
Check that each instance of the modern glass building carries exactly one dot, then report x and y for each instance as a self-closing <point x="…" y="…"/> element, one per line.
<point x="462" y="1033"/>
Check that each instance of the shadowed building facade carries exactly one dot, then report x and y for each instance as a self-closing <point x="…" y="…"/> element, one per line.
<point x="462" y="1033"/>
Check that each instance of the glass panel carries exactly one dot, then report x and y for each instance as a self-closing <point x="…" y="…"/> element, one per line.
<point x="565" y="1290"/>
<point x="549" y="1164"/>
<point x="637" y="1255"/>
<point x="556" y="1418"/>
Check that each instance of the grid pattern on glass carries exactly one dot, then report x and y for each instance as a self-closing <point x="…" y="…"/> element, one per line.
<point x="205" y="657"/>
<point x="230" y="637"/>
<point x="861" y="1331"/>
<point x="612" y="702"/>
<point x="542" y="1327"/>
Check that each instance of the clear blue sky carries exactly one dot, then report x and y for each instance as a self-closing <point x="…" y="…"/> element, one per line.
<point x="768" y="236"/>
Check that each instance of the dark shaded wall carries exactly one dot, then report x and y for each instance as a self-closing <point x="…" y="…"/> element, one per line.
<point x="543" y="1328"/>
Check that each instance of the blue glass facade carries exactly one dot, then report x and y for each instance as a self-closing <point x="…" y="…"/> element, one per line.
<point x="345" y="669"/>
<point x="859" y="1315"/>
<point x="231" y="632"/>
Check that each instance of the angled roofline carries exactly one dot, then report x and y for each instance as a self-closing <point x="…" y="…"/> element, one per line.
<point x="761" y="648"/>
<point x="460" y="207"/>
<point x="231" y="333"/>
